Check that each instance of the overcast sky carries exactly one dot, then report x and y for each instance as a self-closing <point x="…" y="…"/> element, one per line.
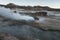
<point x="50" y="3"/>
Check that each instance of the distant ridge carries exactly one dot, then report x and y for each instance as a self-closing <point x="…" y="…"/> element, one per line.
<point x="12" y="5"/>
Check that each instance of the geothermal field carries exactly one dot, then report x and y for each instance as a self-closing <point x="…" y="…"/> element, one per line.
<point x="19" y="26"/>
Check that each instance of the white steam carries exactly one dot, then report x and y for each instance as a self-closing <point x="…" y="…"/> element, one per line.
<point x="53" y="13"/>
<point x="15" y="16"/>
<point x="41" y="19"/>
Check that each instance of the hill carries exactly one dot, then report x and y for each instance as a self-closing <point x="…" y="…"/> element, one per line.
<point x="12" y="5"/>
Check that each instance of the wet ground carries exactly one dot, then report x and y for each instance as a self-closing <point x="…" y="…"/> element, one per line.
<point x="29" y="31"/>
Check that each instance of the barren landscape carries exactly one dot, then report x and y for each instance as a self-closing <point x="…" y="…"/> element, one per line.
<point x="22" y="23"/>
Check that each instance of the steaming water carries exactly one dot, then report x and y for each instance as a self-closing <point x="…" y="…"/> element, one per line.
<point x="15" y="16"/>
<point x="26" y="30"/>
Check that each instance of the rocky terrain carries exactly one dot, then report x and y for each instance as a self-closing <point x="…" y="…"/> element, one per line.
<point x="19" y="30"/>
<point x="41" y="28"/>
<point x="6" y="36"/>
<point x="6" y="24"/>
<point x="45" y="23"/>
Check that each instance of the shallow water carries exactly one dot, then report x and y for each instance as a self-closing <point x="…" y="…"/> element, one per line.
<point x="29" y="31"/>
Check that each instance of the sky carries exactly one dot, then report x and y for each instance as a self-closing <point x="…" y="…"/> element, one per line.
<point x="50" y="3"/>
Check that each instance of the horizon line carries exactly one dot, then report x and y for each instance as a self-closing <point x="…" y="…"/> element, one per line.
<point x="32" y="5"/>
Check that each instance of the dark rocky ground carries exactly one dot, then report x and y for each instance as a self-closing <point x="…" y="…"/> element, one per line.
<point x="22" y="30"/>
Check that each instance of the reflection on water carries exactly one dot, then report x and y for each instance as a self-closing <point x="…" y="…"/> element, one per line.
<point x="26" y="30"/>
